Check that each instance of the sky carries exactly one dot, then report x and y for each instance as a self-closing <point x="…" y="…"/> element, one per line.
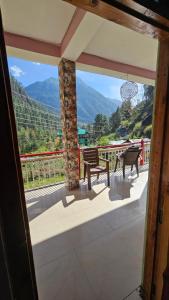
<point x="28" y="72"/>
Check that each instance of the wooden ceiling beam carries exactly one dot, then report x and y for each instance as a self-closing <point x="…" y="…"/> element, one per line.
<point x="160" y="7"/>
<point x="142" y="12"/>
<point x="129" y="14"/>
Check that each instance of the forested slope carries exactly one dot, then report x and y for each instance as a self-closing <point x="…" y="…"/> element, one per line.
<point x="37" y="124"/>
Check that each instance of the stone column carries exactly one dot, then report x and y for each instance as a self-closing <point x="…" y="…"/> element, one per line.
<point x="67" y="81"/>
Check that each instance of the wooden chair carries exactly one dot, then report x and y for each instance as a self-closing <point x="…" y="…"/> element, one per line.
<point x="91" y="165"/>
<point x="129" y="157"/>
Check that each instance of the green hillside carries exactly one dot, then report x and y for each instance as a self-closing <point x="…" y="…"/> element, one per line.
<point x="37" y="124"/>
<point x="139" y="120"/>
<point x="128" y="122"/>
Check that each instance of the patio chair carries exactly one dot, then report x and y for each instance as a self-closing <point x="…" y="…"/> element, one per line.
<point x="129" y="157"/>
<point x="92" y="167"/>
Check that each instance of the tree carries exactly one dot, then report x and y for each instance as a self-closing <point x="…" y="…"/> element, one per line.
<point x="114" y="120"/>
<point x="126" y="110"/>
<point x="101" y="125"/>
<point x="148" y="92"/>
<point x="105" y="122"/>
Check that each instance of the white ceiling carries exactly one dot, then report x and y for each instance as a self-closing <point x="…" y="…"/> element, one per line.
<point x="48" y="20"/>
<point x="45" y="20"/>
<point x="124" y="45"/>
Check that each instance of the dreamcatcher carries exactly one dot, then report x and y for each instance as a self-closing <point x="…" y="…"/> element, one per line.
<point x="128" y="90"/>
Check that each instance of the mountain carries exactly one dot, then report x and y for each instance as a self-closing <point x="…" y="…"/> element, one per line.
<point x="89" y="101"/>
<point x="46" y="91"/>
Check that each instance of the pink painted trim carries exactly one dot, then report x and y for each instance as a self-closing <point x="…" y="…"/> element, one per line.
<point x="93" y="60"/>
<point x="29" y="44"/>
<point x="75" y="22"/>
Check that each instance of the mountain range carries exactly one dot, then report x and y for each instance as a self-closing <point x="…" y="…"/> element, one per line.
<point x="89" y="101"/>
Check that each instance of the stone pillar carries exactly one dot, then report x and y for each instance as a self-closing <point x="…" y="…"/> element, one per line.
<point x="67" y="81"/>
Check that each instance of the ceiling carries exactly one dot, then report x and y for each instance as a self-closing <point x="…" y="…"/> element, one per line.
<point x="50" y="21"/>
<point x="45" y="20"/>
<point x="124" y="45"/>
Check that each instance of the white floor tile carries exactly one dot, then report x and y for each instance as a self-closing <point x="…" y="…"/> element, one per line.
<point x="88" y="245"/>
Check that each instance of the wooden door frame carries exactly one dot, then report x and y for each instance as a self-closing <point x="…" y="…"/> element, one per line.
<point x="137" y="17"/>
<point x="18" y="277"/>
<point x="134" y="18"/>
<point x="154" y="206"/>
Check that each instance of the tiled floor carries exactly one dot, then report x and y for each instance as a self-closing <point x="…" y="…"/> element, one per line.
<point x="89" y="245"/>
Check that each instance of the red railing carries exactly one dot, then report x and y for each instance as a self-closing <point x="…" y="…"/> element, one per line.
<point x="81" y="149"/>
<point x="44" y="168"/>
<point x="41" y="154"/>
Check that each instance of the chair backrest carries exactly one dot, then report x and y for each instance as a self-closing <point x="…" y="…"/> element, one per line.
<point x="131" y="155"/>
<point x="91" y="155"/>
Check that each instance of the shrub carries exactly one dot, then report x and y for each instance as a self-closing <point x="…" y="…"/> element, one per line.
<point x="112" y="136"/>
<point x="148" y="131"/>
<point x="103" y="141"/>
<point x="125" y="123"/>
<point x="137" y="129"/>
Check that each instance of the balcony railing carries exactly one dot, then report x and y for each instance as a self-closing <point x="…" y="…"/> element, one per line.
<point x="42" y="169"/>
<point x="47" y="168"/>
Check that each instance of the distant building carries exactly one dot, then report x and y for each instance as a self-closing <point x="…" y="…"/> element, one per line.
<point x="83" y="136"/>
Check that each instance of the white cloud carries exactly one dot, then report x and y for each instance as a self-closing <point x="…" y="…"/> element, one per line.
<point x="36" y="63"/>
<point x="16" y="71"/>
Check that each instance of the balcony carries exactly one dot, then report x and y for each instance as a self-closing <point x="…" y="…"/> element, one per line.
<point x="89" y="244"/>
<point x="42" y="169"/>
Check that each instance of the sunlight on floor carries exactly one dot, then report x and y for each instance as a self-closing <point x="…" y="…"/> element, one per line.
<point x="89" y="241"/>
<point x="56" y="203"/>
